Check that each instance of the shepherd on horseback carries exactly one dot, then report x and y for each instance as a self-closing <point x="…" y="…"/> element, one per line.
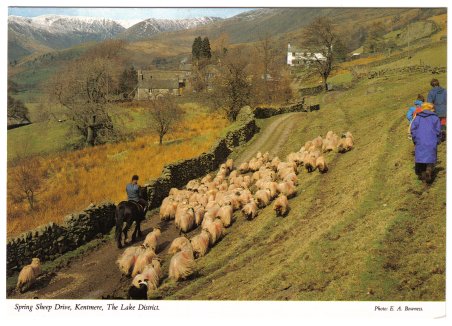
<point x="132" y="210"/>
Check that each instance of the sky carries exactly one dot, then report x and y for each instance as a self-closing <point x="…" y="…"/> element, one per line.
<point x="128" y="13"/>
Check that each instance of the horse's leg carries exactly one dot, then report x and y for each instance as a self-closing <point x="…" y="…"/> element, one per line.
<point x="126" y="229"/>
<point x="139" y="229"/>
<point x="135" y="231"/>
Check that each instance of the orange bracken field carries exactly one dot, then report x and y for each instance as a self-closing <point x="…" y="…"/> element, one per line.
<point x="73" y="180"/>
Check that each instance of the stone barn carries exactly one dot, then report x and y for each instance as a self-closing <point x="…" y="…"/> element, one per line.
<point x="151" y="85"/>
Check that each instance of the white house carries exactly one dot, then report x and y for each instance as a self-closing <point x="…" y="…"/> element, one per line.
<point x="296" y="56"/>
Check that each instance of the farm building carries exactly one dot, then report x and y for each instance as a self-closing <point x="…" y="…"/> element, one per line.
<point x="153" y="83"/>
<point x="298" y="57"/>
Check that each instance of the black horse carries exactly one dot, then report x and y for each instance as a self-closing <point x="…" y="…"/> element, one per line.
<point x="129" y="212"/>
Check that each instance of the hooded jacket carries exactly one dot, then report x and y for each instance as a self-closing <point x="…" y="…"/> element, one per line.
<point x="426" y="134"/>
<point x="409" y="114"/>
<point x="438" y="96"/>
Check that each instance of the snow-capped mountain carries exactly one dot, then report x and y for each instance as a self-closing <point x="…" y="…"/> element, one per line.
<point x="151" y="26"/>
<point x="26" y="35"/>
<point x="61" y="25"/>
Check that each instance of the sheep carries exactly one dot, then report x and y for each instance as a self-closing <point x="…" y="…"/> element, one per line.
<point x="348" y="134"/>
<point x="262" y="198"/>
<point x="309" y="162"/>
<point x="291" y="177"/>
<point x="182" y="264"/>
<point x="168" y="209"/>
<point x="178" y="244"/>
<point x="321" y="164"/>
<point x="28" y="275"/>
<point x="142" y="260"/>
<point x="271" y="186"/>
<point x="215" y="229"/>
<point x="307" y="145"/>
<point x="287" y="188"/>
<point x="245" y="197"/>
<point x="212" y="209"/>
<point x="199" y="214"/>
<point x="250" y="210"/>
<point x="206" y="179"/>
<point x="192" y="185"/>
<point x="266" y="157"/>
<point x="230" y="164"/>
<point x="225" y="215"/>
<point x="200" y="243"/>
<point x="128" y="258"/>
<point x="244" y="168"/>
<point x="274" y="163"/>
<point x="281" y="205"/>
<point x="187" y="220"/>
<point x="318" y="142"/>
<point x="345" y="145"/>
<point x="149" y="278"/>
<point x="329" y="134"/>
<point x="151" y="240"/>
<point x="234" y="174"/>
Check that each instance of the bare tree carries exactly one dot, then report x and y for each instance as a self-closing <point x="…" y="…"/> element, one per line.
<point x="320" y="38"/>
<point x="232" y="88"/>
<point x="82" y="88"/>
<point x="164" y="114"/>
<point x="24" y="177"/>
<point x="17" y="110"/>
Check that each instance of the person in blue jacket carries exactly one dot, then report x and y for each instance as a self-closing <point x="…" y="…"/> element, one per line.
<point x="438" y="97"/>
<point x="417" y="104"/>
<point x="133" y="193"/>
<point x="426" y="135"/>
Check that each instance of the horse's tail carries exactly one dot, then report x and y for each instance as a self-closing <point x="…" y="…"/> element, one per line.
<point x="119" y="217"/>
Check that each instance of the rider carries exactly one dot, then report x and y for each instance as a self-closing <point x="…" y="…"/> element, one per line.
<point x="133" y="193"/>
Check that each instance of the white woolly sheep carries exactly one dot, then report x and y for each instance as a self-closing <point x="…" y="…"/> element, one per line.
<point x="309" y="162"/>
<point x="150" y="276"/>
<point x="244" y="168"/>
<point x="168" y="209"/>
<point x="28" y="275"/>
<point x="206" y="179"/>
<point x="348" y="134"/>
<point x="321" y="164"/>
<point x="178" y="244"/>
<point x="281" y="205"/>
<point x="250" y="210"/>
<point x="200" y="243"/>
<point x="287" y="188"/>
<point x="151" y="240"/>
<point x="291" y="177"/>
<point x="182" y="264"/>
<point x="230" y="164"/>
<point x="345" y="144"/>
<point x="128" y="258"/>
<point x="187" y="220"/>
<point x="143" y="259"/>
<point x="225" y="215"/>
<point x="199" y="214"/>
<point x="262" y="197"/>
<point x="215" y="229"/>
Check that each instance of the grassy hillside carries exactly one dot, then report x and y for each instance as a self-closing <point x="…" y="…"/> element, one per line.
<point x="366" y="230"/>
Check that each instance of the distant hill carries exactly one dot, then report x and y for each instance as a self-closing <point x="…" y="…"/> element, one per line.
<point x="149" y="27"/>
<point x="27" y="35"/>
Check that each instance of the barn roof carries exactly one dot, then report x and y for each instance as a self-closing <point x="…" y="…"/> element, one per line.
<point x="159" y="83"/>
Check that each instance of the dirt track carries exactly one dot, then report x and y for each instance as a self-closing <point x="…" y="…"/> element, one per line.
<point x="95" y="275"/>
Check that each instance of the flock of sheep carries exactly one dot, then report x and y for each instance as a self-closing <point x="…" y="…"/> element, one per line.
<point x="211" y="203"/>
